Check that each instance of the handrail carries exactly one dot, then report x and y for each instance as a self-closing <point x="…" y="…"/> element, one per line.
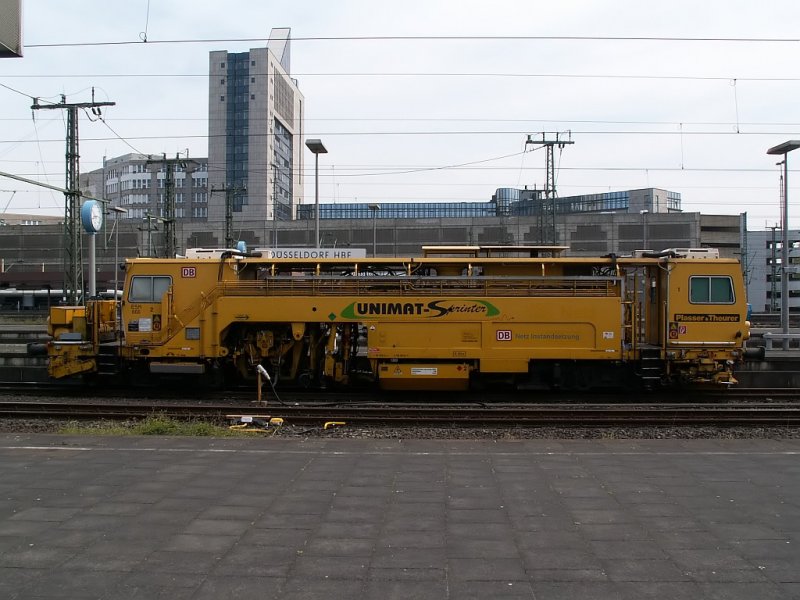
<point x="366" y="286"/>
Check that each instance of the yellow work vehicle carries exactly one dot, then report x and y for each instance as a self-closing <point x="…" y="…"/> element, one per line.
<point x="453" y="318"/>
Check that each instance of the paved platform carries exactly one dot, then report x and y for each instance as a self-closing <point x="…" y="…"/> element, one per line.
<point x="119" y="518"/>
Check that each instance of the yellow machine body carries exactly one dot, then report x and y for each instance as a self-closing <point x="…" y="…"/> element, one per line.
<point x="424" y="323"/>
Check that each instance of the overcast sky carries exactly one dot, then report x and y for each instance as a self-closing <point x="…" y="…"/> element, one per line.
<point x="695" y="117"/>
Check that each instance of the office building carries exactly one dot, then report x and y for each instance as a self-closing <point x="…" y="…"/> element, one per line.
<point x="255" y="146"/>
<point x="137" y="183"/>
<point x="763" y="270"/>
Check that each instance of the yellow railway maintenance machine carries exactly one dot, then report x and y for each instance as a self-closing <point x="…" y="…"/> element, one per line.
<point x="458" y="316"/>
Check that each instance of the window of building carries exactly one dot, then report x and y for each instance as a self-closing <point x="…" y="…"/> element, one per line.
<point x="222" y="98"/>
<point x="711" y="290"/>
<point x="148" y="288"/>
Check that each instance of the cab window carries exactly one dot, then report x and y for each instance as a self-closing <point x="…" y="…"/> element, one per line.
<point x="711" y="290"/>
<point x="148" y="288"/>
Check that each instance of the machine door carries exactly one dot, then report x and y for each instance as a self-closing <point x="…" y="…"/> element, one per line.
<point x="704" y="312"/>
<point x="146" y="308"/>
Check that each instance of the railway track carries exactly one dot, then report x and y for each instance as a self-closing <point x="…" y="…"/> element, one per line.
<point x="245" y="394"/>
<point x="530" y="415"/>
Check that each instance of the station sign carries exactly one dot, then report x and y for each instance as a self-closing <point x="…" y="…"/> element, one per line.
<point x="312" y="253"/>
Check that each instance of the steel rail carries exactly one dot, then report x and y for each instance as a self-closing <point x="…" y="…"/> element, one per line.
<point x="533" y="416"/>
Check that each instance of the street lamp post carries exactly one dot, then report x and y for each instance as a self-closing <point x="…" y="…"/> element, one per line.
<point x="644" y="214"/>
<point x="374" y="208"/>
<point x="784" y="149"/>
<point x="317" y="147"/>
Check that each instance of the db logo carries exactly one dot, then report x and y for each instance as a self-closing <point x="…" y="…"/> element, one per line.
<point x="503" y="335"/>
<point x="188" y="272"/>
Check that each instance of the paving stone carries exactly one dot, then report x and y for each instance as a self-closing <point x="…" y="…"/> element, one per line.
<point x="217" y="527"/>
<point x="91" y="522"/>
<point x="77" y="584"/>
<point x="488" y="549"/>
<point x="644" y="570"/>
<point x="501" y="590"/>
<point x="561" y="558"/>
<point x="288" y="521"/>
<point x="346" y="529"/>
<point x="412" y="539"/>
<point x="200" y="543"/>
<point x="42" y="513"/>
<point x="308" y="588"/>
<point x="30" y="556"/>
<point x="219" y="587"/>
<point x="259" y="561"/>
<point x="180" y="562"/>
<point x="474" y="569"/>
<point x="741" y="591"/>
<point x="623" y="531"/>
<point x="289" y="538"/>
<point x="412" y="558"/>
<point x="479" y="531"/>
<point x="354" y="515"/>
<point x="570" y="590"/>
<point x="407" y="574"/>
<point x="566" y="574"/>
<point x="409" y="523"/>
<point x="9" y="528"/>
<point x="403" y="590"/>
<point x="339" y="546"/>
<point x="232" y="512"/>
<point x="603" y="516"/>
<point x="330" y="567"/>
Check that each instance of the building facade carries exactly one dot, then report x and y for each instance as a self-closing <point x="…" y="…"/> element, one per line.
<point x="255" y="121"/>
<point x="138" y="183"/>
<point x="763" y="270"/>
<point x="586" y="234"/>
<point x="507" y="202"/>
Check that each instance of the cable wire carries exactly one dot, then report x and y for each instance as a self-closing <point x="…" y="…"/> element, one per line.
<point x="437" y="38"/>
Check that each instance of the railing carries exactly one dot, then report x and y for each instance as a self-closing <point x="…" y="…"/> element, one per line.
<point x="533" y="287"/>
<point x="785" y="340"/>
<point x="438" y="286"/>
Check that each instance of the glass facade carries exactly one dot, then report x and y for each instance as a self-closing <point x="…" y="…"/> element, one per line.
<point x="237" y="127"/>
<point x="400" y="210"/>
<point x="282" y="161"/>
<point x="673" y="201"/>
<point x="608" y="201"/>
<point x="506" y="202"/>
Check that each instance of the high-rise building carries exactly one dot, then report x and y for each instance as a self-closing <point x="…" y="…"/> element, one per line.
<point x="255" y="113"/>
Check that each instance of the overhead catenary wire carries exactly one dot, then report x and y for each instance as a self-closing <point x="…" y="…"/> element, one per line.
<point x="437" y="74"/>
<point x="425" y="133"/>
<point x="436" y="38"/>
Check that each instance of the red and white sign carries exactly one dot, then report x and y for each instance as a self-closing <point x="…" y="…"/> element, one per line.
<point x="503" y="335"/>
